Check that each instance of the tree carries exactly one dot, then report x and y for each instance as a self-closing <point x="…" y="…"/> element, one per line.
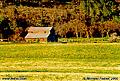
<point x="81" y="28"/>
<point x="101" y="28"/>
<point x="75" y="25"/>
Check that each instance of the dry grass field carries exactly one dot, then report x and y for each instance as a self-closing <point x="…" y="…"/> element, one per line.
<point x="56" y="61"/>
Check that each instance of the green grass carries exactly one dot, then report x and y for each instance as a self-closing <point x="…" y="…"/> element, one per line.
<point x="71" y="51"/>
<point x="84" y="40"/>
<point x="56" y="57"/>
<point x="55" y="77"/>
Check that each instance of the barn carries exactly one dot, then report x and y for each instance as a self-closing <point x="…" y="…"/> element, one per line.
<point x="41" y="34"/>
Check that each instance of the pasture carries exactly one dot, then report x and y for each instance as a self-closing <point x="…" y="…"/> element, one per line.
<point x="73" y="58"/>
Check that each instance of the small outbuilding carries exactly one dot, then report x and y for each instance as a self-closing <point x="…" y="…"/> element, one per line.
<point x="41" y="34"/>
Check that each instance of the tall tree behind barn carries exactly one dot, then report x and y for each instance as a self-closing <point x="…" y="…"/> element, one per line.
<point x="42" y="34"/>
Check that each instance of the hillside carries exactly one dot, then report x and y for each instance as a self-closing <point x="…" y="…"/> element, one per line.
<point x="74" y="18"/>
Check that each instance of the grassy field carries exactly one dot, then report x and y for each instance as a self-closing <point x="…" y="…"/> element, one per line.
<point x="99" y="58"/>
<point x="43" y="76"/>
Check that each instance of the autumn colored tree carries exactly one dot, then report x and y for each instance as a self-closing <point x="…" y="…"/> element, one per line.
<point x="78" y="16"/>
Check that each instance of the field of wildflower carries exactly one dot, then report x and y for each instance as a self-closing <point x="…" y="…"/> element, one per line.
<point x="98" y="58"/>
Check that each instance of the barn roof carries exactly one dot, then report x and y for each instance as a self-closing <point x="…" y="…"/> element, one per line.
<point x="40" y="28"/>
<point x="37" y="35"/>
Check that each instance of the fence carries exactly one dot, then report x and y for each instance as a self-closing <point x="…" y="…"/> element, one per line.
<point x="83" y="40"/>
<point x="3" y="39"/>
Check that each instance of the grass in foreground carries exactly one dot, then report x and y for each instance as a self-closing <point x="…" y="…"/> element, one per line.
<point x="59" y="76"/>
<point x="72" y="58"/>
<point x="72" y="51"/>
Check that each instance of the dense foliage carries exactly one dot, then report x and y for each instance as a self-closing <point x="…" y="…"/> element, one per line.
<point x="80" y="18"/>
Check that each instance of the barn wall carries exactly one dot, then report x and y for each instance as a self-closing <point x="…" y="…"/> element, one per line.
<point x="38" y="31"/>
<point x="51" y="37"/>
<point x="37" y="39"/>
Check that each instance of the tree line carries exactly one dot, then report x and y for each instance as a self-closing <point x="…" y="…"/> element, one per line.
<point x="80" y="18"/>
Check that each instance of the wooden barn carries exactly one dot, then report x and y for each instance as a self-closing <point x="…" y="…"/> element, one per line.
<point x="41" y="34"/>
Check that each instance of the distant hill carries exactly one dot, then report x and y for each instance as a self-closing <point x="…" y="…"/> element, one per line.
<point x="74" y="18"/>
